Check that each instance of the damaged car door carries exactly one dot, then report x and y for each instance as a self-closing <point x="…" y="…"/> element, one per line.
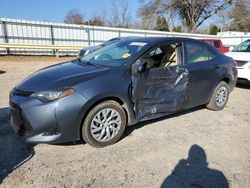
<point x="159" y="81"/>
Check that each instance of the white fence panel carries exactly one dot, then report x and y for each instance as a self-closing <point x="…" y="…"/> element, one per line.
<point x="36" y="32"/>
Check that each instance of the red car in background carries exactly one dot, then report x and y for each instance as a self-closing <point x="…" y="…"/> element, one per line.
<point x="217" y="44"/>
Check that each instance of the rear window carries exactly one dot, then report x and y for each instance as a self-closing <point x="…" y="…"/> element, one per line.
<point x="197" y="52"/>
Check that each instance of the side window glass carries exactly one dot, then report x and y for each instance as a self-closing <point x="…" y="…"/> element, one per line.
<point x="156" y="51"/>
<point x="210" y="54"/>
<point x="217" y="44"/>
<point x="163" y="56"/>
<point x="198" y="53"/>
<point x="208" y="41"/>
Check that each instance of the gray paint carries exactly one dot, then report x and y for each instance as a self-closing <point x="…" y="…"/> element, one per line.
<point x="144" y="96"/>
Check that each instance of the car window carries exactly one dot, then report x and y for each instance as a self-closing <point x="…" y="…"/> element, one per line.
<point x="217" y="44"/>
<point x="197" y="52"/>
<point x="114" y="54"/>
<point x="208" y="41"/>
<point x="163" y="56"/>
<point x="243" y="47"/>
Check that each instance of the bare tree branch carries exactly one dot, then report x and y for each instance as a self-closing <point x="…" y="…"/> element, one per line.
<point x="74" y="17"/>
<point x="192" y="12"/>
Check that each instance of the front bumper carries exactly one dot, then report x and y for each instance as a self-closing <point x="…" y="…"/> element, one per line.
<point x="55" y="122"/>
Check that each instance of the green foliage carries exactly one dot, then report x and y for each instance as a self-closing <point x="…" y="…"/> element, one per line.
<point x="177" y="29"/>
<point x="213" y="30"/>
<point x="162" y="24"/>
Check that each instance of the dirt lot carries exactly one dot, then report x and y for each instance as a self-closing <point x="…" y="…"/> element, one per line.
<point x="189" y="149"/>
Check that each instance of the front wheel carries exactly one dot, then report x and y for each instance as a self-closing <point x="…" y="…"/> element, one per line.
<point x="104" y="124"/>
<point x="220" y="97"/>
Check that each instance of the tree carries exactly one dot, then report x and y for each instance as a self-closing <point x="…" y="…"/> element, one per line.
<point x="213" y="30"/>
<point x="74" y="17"/>
<point x="119" y="15"/>
<point x="192" y="12"/>
<point x="96" y="20"/>
<point x="177" y="29"/>
<point x="240" y="16"/>
<point x="146" y="20"/>
<point x="161" y="24"/>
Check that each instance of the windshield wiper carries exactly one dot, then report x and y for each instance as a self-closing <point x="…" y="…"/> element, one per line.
<point x="79" y="61"/>
<point x="91" y="64"/>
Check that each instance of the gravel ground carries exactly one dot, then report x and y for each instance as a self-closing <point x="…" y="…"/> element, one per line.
<point x="195" y="148"/>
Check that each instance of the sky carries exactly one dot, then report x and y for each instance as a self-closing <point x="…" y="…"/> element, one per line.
<point x="54" y="10"/>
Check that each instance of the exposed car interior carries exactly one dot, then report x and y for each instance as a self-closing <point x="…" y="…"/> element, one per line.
<point x="163" y="56"/>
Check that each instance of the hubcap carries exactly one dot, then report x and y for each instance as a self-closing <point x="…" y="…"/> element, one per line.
<point x="221" y="96"/>
<point x="105" y="125"/>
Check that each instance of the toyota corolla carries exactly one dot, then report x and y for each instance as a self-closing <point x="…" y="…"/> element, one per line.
<point x="95" y="97"/>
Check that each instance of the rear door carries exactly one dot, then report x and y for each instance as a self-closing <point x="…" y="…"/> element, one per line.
<point x="204" y="73"/>
<point x="161" y="88"/>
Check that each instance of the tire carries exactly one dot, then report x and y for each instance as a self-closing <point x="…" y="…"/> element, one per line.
<point x="220" y="97"/>
<point x="100" y="133"/>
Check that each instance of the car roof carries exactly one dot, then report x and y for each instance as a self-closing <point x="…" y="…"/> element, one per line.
<point x="158" y="39"/>
<point x="210" y="39"/>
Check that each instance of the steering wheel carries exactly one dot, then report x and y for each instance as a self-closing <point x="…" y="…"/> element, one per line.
<point x="105" y="57"/>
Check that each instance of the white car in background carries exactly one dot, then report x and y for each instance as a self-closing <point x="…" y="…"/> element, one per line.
<point x="241" y="55"/>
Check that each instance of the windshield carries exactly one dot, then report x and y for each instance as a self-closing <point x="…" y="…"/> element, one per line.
<point x="114" y="54"/>
<point x="243" y="47"/>
<point x="110" y="41"/>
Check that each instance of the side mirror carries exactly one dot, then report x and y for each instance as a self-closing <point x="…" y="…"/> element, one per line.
<point x="141" y="67"/>
<point x="231" y="48"/>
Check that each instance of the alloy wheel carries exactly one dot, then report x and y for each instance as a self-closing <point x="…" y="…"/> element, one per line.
<point x="221" y="96"/>
<point x="105" y="125"/>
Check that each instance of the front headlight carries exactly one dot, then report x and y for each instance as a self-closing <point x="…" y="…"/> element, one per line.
<point x="47" y="96"/>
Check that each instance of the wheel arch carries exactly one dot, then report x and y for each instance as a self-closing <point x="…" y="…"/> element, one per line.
<point x="226" y="79"/>
<point x="100" y="100"/>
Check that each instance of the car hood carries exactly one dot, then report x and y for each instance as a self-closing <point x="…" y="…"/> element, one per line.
<point x="239" y="56"/>
<point x="59" y="76"/>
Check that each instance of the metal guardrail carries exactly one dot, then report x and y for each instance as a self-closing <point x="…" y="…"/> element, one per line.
<point x="26" y="36"/>
<point x="41" y="46"/>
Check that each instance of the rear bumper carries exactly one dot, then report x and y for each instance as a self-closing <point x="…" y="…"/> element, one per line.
<point x="54" y="122"/>
<point x="233" y="80"/>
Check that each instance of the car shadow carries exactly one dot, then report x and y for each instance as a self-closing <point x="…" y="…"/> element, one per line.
<point x="74" y="143"/>
<point x="139" y="125"/>
<point x="2" y="72"/>
<point x="194" y="172"/>
<point x="14" y="151"/>
<point x="243" y="85"/>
